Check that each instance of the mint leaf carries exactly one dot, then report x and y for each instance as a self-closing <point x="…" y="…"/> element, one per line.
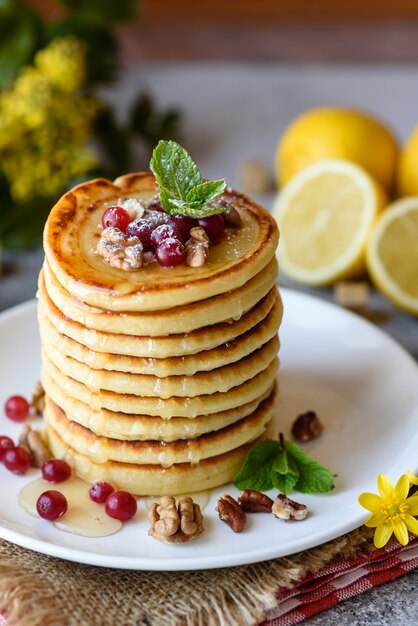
<point x="281" y="462"/>
<point x="285" y="483"/>
<point x="256" y="471"/>
<point x="174" y="170"/>
<point x="206" y="192"/>
<point x="313" y="477"/>
<point x="284" y="472"/>
<point x="182" y="191"/>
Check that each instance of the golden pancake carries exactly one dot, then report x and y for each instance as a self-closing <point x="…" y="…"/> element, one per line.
<point x="152" y="480"/>
<point x="175" y="406"/>
<point x="230" y="305"/>
<point x="218" y="380"/>
<point x="225" y="354"/>
<point x="153" y="452"/>
<point x="166" y="346"/>
<point x="72" y="226"/>
<point x="132" y="427"/>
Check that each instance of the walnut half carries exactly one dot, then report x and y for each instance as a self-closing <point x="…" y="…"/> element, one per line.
<point x="175" y="524"/>
<point x="33" y="441"/>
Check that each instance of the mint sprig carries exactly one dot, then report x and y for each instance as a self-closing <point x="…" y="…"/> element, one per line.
<point x="284" y="465"/>
<point x="182" y="190"/>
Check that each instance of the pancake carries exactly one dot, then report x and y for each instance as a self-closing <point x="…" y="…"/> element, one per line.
<point x="227" y="353"/>
<point x="174" y="406"/>
<point x="229" y="305"/>
<point x="152" y="480"/>
<point x="165" y="346"/>
<point x="131" y="427"/>
<point x="218" y="380"/>
<point x="103" y="449"/>
<point x="72" y="226"/>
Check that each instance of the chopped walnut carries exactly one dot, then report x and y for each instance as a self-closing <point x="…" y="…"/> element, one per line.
<point x="38" y="399"/>
<point x="119" y="250"/>
<point x="175" y="524"/>
<point x="197" y="247"/>
<point x="33" y="441"/>
<point x="287" y="509"/>
<point x="134" y="207"/>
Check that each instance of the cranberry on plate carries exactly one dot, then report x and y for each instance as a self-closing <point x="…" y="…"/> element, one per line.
<point x="51" y="505"/>
<point x="56" y="470"/>
<point x="5" y="444"/>
<point x="121" y="505"/>
<point x="100" y="490"/>
<point x="17" y="408"/>
<point x="17" y="460"/>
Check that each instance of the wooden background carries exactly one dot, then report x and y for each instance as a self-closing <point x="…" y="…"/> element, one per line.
<point x="287" y="30"/>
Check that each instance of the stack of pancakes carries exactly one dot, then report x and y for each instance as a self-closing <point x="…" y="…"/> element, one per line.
<point x="157" y="380"/>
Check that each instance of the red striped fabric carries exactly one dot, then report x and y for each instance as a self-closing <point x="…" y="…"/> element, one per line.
<point x="340" y="580"/>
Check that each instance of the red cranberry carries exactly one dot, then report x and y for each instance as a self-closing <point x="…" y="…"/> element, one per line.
<point x="17" y="460"/>
<point x="142" y="229"/>
<point x="100" y="490"/>
<point x="158" y="207"/>
<point x="116" y="216"/>
<point x="214" y="226"/>
<point x="51" y="505"/>
<point x="56" y="470"/>
<point x="181" y="226"/>
<point x="121" y="505"/>
<point x="17" y="408"/>
<point x="161" y="233"/>
<point x="5" y="444"/>
<point x="170" y="252"/>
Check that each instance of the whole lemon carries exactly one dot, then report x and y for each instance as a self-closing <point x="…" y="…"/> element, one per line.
<point x="407" y="177"/>
<point x="337" y="133"/>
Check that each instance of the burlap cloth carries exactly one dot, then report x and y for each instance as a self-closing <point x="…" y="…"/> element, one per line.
<point x="37" y="590"/>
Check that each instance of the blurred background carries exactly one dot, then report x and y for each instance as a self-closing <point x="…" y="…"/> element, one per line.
<point x="88" y="88"/>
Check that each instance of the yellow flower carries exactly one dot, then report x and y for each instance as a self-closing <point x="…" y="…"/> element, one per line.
<point x="392" y="511"/>
<point x="46" y="122"/>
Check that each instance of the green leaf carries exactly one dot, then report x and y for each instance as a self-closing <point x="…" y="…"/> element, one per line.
<point x="181" y="188"/>
<point x="313" y="477"/>
<point x="284" y="472"/>
<point x="281" y="463"/>
<point x="151" y="124"/>
<point x="256" y="471"/>
<point x="285" y="483"/>
<point x="206" y="192"/>
<point x="174" y="169"/>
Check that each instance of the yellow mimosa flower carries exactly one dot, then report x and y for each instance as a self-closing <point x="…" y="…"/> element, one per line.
<point x="392" y="511"/>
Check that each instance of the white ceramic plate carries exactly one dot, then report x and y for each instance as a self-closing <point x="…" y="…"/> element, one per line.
<point x="362" y="384"/>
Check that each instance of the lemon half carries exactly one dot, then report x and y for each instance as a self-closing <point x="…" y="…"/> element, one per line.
<point x="392" y="254"/>
<point x="325" y="215"/>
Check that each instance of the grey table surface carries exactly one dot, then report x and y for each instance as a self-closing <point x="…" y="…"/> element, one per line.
<point x="236" y="112"/>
